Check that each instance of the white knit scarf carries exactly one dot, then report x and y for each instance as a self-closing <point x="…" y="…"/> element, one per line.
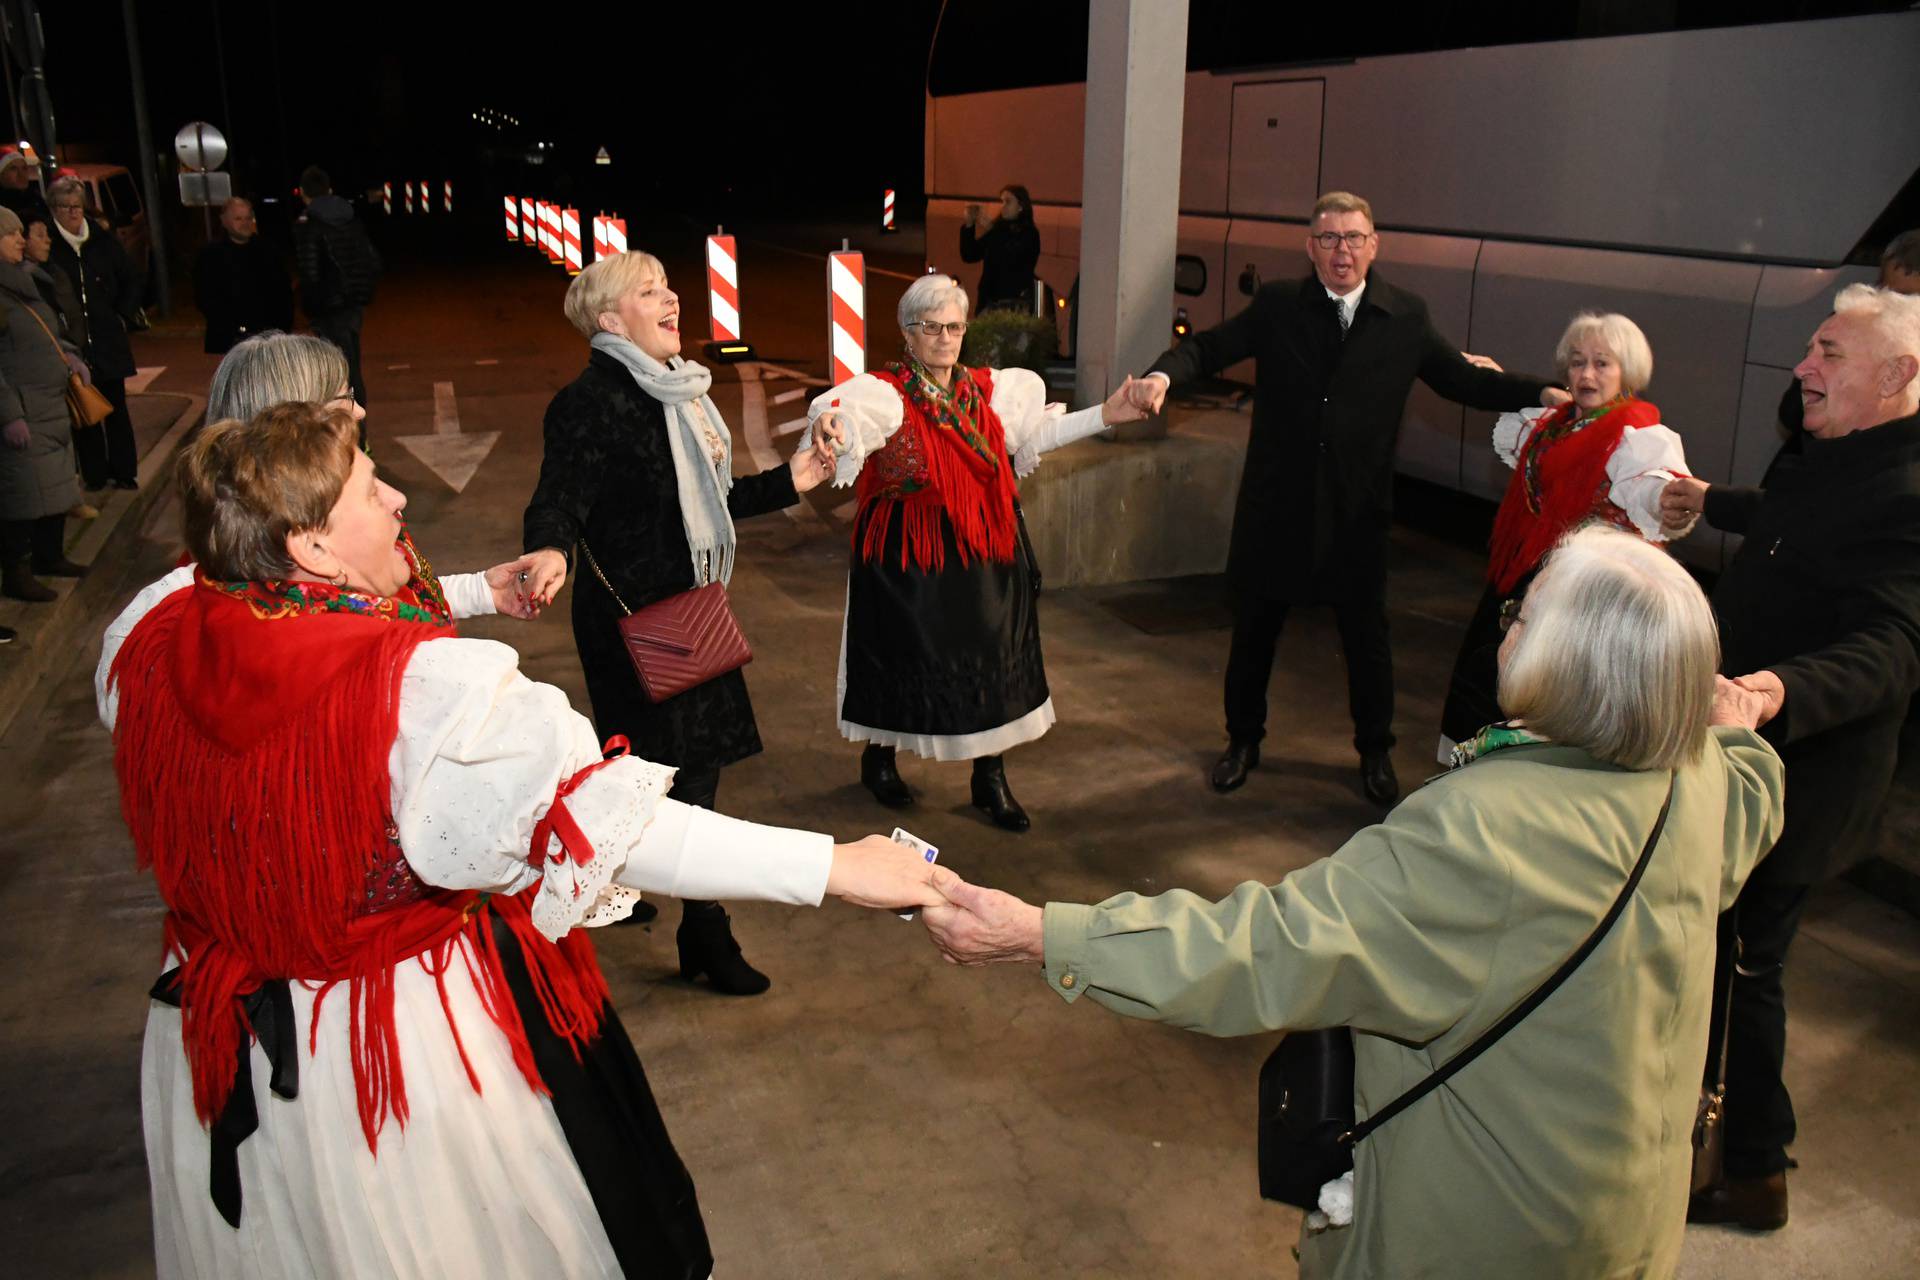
<point x="703" y="482"/>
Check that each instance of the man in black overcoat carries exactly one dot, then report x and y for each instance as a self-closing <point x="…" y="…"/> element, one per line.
<point x="1821" y="609"/>
<point x="240" y="282"/>
<point x="1336" y="355"/>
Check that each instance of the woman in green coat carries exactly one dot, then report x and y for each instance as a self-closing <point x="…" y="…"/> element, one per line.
<point x="1563" y="1150"/>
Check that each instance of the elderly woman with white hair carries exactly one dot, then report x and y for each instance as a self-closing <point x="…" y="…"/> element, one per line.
<point x="1631" y="777"/>
<point x="638" y="479"/>
<point x="941" y="649"/>
<point x="1603" y="455"/>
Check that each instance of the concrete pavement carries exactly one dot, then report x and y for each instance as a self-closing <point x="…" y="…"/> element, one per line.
<point x="879" y="1113"/>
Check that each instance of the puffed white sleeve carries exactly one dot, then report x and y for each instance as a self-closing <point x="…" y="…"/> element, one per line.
<point x="870" y="410"/>
<point x="106" y="698"/>
<point x="468" y="594"/>
<point x="1641" y="465"/>
<point x="1033" y="426"/>
<point x="481" y="759"/>
<point x="1510" y="432"/>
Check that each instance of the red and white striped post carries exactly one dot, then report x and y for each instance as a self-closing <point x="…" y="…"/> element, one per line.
<point x="723" y="299"/>
<point x="723" y="286"/>
<point x="599" y="236"/>
<point x="570" y="234"/>
<point x="386" y="198"/>
<point x="616" y="229"/>
<point x="846" y="314"/>
<point x="550" y="232"/>
<point x="409" y="193"/>
<point x="426" y="196"/>
<point x="513" y="220"/>
<point x="446" y="196"/>
<point x="886" y="211"/>
<point x="529" y="226"/>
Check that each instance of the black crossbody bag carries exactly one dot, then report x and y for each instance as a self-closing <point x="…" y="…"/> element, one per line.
<point x="1306" y="1128"/>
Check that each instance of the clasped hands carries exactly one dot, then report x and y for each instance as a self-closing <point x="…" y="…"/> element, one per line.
<point x="970" y="924"/>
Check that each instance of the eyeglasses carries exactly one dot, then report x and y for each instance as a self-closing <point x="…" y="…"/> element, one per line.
<point x="1332" y="239"/>
<point x="64" y="207"/>
<point x="1510" y="615"/>
<point x="932" y="328"/>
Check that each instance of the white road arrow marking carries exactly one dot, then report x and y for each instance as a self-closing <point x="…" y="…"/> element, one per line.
<point x="449" y="453"/>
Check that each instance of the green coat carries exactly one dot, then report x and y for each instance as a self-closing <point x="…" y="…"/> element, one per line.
<point x="1564" y="1150"/>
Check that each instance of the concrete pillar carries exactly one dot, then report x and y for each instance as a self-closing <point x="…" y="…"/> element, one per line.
<point x="1130" y="192"/>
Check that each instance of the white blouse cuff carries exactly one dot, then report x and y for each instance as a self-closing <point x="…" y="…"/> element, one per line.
<point x="1510" y="432"/>
<point x="468" y="595"/>
<point x="691" y="852"/>
<point x="614" y="809"/>
<point x="870" y="411"/>
<point x="1646" y="459"/>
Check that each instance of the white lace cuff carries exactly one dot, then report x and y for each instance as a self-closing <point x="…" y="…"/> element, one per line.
<point x="1510" y="432"/>
<point x="869" y="409"/>
<point x="611" y="809"/>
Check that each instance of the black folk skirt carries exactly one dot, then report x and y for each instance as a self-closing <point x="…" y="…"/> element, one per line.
<point x="1473" y="695"/>
<point x="943" y="654"/>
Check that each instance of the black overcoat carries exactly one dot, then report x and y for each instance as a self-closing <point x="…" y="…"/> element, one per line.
<point x="1311" y="520"/>
<point x="1825" y="593"/>
<point x="607" y="476"/>
<point x="108" y="285"/>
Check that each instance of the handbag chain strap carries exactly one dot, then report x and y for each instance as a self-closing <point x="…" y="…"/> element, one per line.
<point x="593" y="564"/>
<point x="1519" y="1013"/>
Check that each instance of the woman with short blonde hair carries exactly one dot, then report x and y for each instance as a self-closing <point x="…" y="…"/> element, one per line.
<point x="1604" y="456"/>
<point x="638" y="479"/>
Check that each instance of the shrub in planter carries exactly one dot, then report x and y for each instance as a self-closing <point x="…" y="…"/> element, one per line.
<point x="1009" y="340"/>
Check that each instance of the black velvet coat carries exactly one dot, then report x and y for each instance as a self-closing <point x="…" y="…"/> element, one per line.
<point x="607" y="477"/>
<point x="1311" y="520"/>
<point x="1825" y="593"/>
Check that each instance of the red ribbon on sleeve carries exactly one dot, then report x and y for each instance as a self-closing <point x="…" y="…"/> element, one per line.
<point x="559" y="820"/>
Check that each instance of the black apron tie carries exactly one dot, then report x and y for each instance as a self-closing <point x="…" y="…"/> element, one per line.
<point x="269" y="1010"/>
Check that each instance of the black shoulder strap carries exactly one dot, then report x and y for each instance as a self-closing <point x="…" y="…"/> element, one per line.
<point x="1519" y="1013"/>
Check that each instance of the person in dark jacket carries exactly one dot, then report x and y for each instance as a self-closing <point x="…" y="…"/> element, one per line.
<point x="108" y="285"/>
<point x="1820" y="621"/>
<point x="1009" y="245"/>
<point x="36" y="434"/>
<point x="338" y="268"/>
<point x="17" y="191"/>
<point x="1337" y="355"/>
<point x="638" y="477"/>
<point x="240" y="283"/>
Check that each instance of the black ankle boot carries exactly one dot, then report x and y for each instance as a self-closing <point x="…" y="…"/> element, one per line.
<point x="707" y="946"/>
<point x="18" y="583"/>
<point x="881" y="776"/>
<point x="992" y="795"/>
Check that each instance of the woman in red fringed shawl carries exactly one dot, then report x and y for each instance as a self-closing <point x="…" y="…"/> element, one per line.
<point x="381" y="1045"/>
<point x="1602" y="456"/>
<point x="941" y="649"/>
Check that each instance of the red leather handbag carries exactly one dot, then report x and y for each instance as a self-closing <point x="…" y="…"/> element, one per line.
<point x="679" y="642"/>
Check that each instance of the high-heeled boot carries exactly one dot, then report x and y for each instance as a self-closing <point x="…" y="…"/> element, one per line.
<point x="707" y="947"/>
<point x="881" y="776"/>
<point x="992" y="795"/>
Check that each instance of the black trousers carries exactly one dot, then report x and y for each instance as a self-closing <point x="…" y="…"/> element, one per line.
<point x="1360" y="611"/>
<point x="107" y="452"/>
<point x="43" y="540"/>
<point x="1760" y="1122"/>
<point x="342" y="329"/>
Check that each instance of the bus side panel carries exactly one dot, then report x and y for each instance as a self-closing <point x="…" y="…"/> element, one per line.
<point x="1791" y="304"/>
<point x="1440" y="270"/>
<point x="979" y="142"/>
<point x="1695" y="314"/>
<point x="1779" y="141"/>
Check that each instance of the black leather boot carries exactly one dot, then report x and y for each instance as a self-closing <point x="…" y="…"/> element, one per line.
<point x="881" y="776"/>
<point x="1230" y="771"/>
<point x="992" y="795"/>
<point x="707" y="947"/>
<point x="18" y="583"/>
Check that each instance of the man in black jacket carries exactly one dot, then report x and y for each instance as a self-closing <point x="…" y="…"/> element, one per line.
<point x="240" y="283"/>
<point x="1337" y="354"/>
<point x="1821" y="609"/>
<point x="338" y="267"/>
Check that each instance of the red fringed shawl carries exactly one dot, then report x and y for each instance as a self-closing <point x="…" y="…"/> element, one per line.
<point x="254" y="728"/>
<point x="1559" y="482"/>
<point x="947" y="461"/>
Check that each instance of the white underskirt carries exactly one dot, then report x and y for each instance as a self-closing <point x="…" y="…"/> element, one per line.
<point x="476" y="1184"/>
<point x="937" y="746"/>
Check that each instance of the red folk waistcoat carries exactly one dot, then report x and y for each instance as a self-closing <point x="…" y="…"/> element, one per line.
<point x="949" y="458"/>
<point x="1560" y="482"/>
<point x="255" y="724"/>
